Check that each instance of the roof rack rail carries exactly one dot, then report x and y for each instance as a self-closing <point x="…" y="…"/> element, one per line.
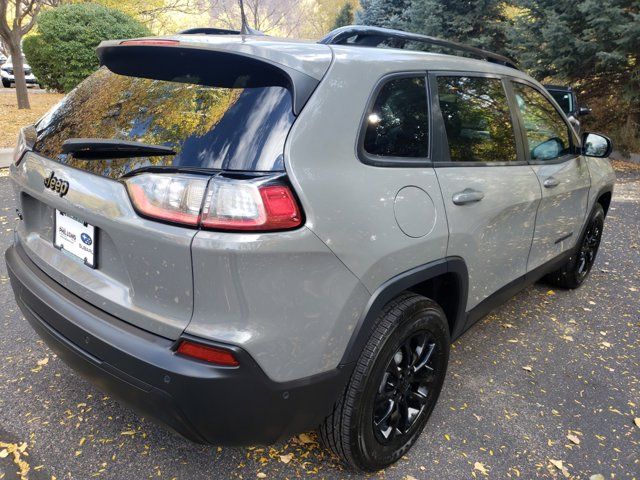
<point x="366" y="36"/>
<point x="208" y="31"/>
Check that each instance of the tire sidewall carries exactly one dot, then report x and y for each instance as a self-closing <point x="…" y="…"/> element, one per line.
<point x="597" y="215"/>
<point x="368" y="452"/>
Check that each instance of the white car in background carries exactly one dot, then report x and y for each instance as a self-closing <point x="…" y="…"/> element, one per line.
<point x="7" y="74"/>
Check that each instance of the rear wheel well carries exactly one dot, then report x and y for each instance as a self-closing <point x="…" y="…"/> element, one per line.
<point x="605" y="201"/>
<point x="445" y="291"/>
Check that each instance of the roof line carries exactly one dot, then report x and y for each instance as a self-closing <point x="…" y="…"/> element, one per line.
<point x="366" y="36"/>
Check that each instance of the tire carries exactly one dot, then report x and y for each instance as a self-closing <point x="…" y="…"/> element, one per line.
<point x="573" y="273"/>
<point x="6" y="83"/>
<point x="411" y="334"/>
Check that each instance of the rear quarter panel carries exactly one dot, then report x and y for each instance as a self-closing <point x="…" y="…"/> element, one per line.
<point x="349" y="204"/>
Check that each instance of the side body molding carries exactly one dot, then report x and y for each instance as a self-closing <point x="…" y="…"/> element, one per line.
<point x="405" y="281"/>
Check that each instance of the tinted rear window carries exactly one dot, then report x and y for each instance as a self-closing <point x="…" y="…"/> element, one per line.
<point x="209" y="127"/>
<point x="398" y="124"/>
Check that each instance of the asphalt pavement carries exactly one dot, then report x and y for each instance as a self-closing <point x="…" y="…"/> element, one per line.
<point x="548" y="386"/>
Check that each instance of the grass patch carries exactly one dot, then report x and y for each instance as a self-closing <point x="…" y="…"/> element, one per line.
<point x="12" y="119"/>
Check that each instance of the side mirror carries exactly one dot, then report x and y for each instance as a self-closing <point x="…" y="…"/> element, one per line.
<point x="584" y="111"/>
<point x="595" y="145"/>
<point x="547" y="150"/>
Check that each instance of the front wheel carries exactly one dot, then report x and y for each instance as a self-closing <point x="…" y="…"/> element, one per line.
<point x="573" y="273"/>
<point x="6" y="83"/>
<point x="394" y="386"/>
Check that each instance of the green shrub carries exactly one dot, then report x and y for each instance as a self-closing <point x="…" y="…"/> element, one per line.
<point x="63" y="51"/>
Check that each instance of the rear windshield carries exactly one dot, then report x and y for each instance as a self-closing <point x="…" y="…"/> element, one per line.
<point x="208" y="127"/>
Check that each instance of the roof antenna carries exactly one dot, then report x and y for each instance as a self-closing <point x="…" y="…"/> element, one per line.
<point x="246" y="29"/>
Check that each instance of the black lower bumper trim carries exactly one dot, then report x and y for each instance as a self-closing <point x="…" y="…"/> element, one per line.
<point x="205" y="403"/>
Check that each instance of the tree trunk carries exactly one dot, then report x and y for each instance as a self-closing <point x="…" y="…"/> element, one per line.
<point x="18" y="72"/>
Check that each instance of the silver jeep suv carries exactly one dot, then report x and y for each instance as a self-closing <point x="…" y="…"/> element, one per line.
<point x="244" y="237"/>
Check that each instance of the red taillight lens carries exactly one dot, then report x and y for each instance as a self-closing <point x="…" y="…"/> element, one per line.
<point x="227" y="204"/>
<point x="241" y="205"/>
<point x="218" y="356"/>
<point x="151" y="42"/>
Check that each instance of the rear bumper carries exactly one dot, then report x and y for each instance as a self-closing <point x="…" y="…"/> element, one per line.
<point x="205" y="403"/>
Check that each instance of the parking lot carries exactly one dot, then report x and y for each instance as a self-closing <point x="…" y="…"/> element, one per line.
<point x="547" y="386"/>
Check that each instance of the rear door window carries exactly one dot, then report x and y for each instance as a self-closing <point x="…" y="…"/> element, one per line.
<point x="398" y="123"/>
<point x="208" y="127"/>
<point x="477" y="119"/>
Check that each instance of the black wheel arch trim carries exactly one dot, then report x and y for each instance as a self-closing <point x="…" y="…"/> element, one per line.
<point x="604" y="190"/>
<point x="405" y="281"/>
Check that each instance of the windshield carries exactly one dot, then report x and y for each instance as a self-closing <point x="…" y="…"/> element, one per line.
<point x="564" y="99"/>
<point x="208" y="127"/>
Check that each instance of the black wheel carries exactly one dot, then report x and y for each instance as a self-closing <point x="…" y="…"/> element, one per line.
<point x="394" y="386"/>
<point x="573" y="273"/>
<point x="6" y="83"/>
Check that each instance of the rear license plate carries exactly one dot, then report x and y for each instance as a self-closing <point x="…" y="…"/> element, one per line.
<point x="76" y="237"/>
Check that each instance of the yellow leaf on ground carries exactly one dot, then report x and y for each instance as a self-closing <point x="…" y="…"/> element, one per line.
<point x="305" y="438"/>
<point x="637" y="422"/>
<point x="409" y="477"/>
<point x="481" y="468"/>
<point x="261" y="475"/>
<point x="286" y="458"/>
<point x="4" y="453"/>
<point x="528" y="368"/>
<point x="43" y="362"/>
<point x="551" y="292"/>
<point x="574" y="439"/>
<point x="560" y="466"/>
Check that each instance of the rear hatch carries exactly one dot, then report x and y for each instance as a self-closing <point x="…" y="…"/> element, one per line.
<point x="79" y="224"/>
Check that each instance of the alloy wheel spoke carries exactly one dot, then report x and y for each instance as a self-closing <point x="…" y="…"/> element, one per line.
<point x="390" y="409"/>
<point x="404" y="389"/>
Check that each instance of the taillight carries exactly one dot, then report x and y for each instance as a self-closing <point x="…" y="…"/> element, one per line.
<point x="173" y="198"/>
<point x="226" y="204"/>
<point x="241" y="205"/>
<point x="206" y="353"/>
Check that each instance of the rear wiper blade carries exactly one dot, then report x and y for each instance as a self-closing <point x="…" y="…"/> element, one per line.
<point x="101" y="148"/>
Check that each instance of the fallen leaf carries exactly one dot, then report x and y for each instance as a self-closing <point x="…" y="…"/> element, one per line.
<point x="43" y="362"/>
<point x="286" y="458"/>
<point x="637" y="422"/>
<point x="597" y="476"/>
<point x="568" y="338"/>
<point x="551" y="292"/>
<point x="606" y="344"/>
<point x="261" y="475"/>
<point x="574" y="439"/>
<point x="481" y="468"/>
<point x="528" y="368"/>
<point x="560" y="466"/>
<point x="409" y="477"/>
<point x="305" y="438"/>
<point x="4" y="453"/>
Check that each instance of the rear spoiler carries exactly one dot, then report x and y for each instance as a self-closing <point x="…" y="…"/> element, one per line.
<point x="171" y="60"/>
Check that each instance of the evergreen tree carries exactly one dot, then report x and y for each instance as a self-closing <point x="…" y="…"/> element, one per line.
<point x="345" y="16"/>
<point x="479" y="23"/>
<point x="383" y="13"/>
<point x="594" y="44"/>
